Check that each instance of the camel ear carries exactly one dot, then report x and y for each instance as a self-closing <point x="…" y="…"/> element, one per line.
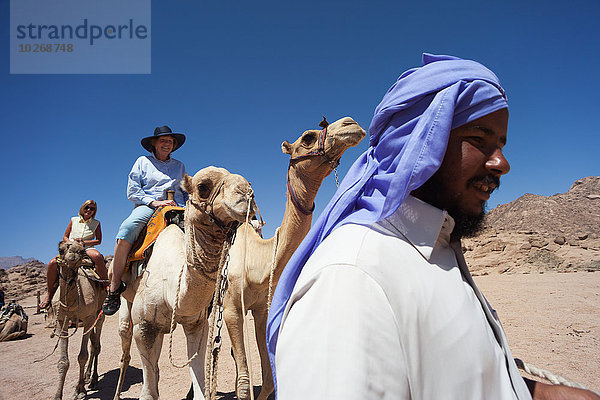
<point x="286" y="147"/>
<point x="62" y="247"/>
<point x="186" y="184"/>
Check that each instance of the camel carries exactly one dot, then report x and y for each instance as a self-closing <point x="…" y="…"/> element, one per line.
<point x="13" y="322"/>
<point x="181" y="274"/>
<point x="313" y="156"/>
<point x="78" y="299"/>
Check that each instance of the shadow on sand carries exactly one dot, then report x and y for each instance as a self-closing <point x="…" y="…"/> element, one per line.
<point x="231" y="395"/>
<point x="107" y="384"/>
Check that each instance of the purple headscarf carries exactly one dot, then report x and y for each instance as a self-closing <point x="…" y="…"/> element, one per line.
<point x="408" y="139"/>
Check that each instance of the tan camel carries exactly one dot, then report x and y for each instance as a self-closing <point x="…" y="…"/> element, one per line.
<point x="181" y="273"/>
<point x="13" y="322"/>
<point x="78" y="299"/>
<point x="313" y="157"/>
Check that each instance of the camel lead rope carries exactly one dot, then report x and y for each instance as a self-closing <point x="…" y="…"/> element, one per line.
<point x="174" y="325"/>
<point x="337" y="180"/>
<point x="101" y="313"/>
<point x="65" y="322"/>
<point x="272" y="272"/>
<point x="244" y="311"/>
<point x="547" y="375"/>
<point x="210" y="370"/>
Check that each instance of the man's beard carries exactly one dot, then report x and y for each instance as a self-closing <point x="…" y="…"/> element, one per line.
<point x="466" y="225"/>
<point x="435" y="192"/>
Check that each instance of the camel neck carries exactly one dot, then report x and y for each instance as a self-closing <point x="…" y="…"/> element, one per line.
<point x="204" y="243"/>
<point x="295" y="224"/>
<point x="68" y="287"/>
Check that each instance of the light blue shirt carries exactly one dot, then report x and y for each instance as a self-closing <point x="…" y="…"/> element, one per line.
<point x="150" y="179"/>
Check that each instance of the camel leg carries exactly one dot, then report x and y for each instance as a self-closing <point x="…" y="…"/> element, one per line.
<point x="91" y="375"/>
<point x="260" y="330"/>
<point x="82" y="359"/>
<point x="196" y="336"/>
<point x="63" y="361"/>
<point x="125" y="331"/>
<point x="148" y="340"/>
<point x="235" y="326"/>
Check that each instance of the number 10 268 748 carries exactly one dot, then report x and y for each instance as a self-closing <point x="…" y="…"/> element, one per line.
<point x="45" y="48"/>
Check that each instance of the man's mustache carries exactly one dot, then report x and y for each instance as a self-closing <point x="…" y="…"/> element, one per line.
<point x="488" y="180"/>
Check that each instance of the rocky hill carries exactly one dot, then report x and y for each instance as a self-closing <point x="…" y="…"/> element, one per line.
<point x="23" y="280"/>
<point x="529" y="235"/>
<point x="540" y="233"/>
<point x="7" y="262"/>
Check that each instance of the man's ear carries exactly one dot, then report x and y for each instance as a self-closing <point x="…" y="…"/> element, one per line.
<point x="286" y="147"/>
<point x="186" y="184"/>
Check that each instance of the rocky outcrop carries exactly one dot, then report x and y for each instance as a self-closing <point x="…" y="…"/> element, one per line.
<point x="538" y="233"/>
<point x="23" y="280"/>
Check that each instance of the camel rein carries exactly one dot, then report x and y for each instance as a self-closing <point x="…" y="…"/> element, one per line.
<point x="69" y="283"/>
<point x="229" y="231"/>
<point x="212" y="361"/>
<point x="218" y="297"/>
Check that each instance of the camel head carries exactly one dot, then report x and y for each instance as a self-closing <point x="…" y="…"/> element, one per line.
<point x="320" y="150"/>
<point x="218" y="197"/>
<point x="71" y="254"/>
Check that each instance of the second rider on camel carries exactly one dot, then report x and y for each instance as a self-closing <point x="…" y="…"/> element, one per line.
<point x="150" y="178"/>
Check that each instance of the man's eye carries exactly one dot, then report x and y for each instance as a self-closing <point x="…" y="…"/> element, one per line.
<point x="476" y="140"/>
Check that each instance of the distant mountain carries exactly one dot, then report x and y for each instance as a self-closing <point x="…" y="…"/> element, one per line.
<point x="575" y="212"/>
<point x="7" y="262"/>
<point x="541" y="233"/>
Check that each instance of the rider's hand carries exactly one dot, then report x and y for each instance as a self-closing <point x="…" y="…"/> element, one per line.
<point x="159" y="203"/>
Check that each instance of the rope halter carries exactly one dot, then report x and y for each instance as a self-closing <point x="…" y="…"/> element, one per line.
<point x="319" y="152"/>
<point x="208" y="209"/>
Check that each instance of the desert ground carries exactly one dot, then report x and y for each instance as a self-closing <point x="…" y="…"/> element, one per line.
<point x="551" y="320"/>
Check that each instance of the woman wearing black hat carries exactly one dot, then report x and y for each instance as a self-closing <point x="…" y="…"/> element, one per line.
<point x="149" y="180"/>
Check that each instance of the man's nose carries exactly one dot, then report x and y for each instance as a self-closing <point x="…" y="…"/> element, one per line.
<point x="497" y="163"/>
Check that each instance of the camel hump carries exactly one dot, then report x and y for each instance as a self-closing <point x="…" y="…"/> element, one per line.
<point x="161" y="218"/>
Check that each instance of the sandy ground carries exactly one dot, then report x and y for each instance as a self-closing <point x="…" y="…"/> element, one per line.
<point x="21" y="378"/>
<point x="551" y="320"/>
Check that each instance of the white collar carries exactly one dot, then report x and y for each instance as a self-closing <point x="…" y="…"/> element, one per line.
<point x="421" y="224"/>
<point x="154" y="157"/>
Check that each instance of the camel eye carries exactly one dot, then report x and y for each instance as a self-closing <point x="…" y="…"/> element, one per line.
<point x="309" y="138"/>
<point x="203" y="190"/>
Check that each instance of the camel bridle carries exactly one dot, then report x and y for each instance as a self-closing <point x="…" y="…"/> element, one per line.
<point x="208" y="209"/>
<point x="319" y="152"/>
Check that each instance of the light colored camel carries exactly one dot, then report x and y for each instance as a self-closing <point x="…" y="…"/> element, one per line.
<point x="218" y="203"/>
<point x="313" y="156"/>
<point x="78" y="299"/>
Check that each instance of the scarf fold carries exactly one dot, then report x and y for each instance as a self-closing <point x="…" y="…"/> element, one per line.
<point x="408" y="139"/>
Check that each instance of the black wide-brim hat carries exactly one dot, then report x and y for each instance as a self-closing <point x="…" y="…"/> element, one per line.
<point x="163" y="131"/>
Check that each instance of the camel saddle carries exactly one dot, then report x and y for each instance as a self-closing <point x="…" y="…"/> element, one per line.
<point x="160" y="219"/>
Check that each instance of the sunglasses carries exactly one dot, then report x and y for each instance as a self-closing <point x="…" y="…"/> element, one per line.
<point x="89" y="208"/>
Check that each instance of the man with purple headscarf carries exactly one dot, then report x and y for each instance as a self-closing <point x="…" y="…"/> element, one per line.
<point x="378" y="302"/>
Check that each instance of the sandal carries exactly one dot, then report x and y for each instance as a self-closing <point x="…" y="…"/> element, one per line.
<point x="44" y="305"/>
<point x="113" y="300"/>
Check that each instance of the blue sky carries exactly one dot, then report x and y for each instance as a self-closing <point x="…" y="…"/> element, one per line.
<point x="238" y="78"/>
